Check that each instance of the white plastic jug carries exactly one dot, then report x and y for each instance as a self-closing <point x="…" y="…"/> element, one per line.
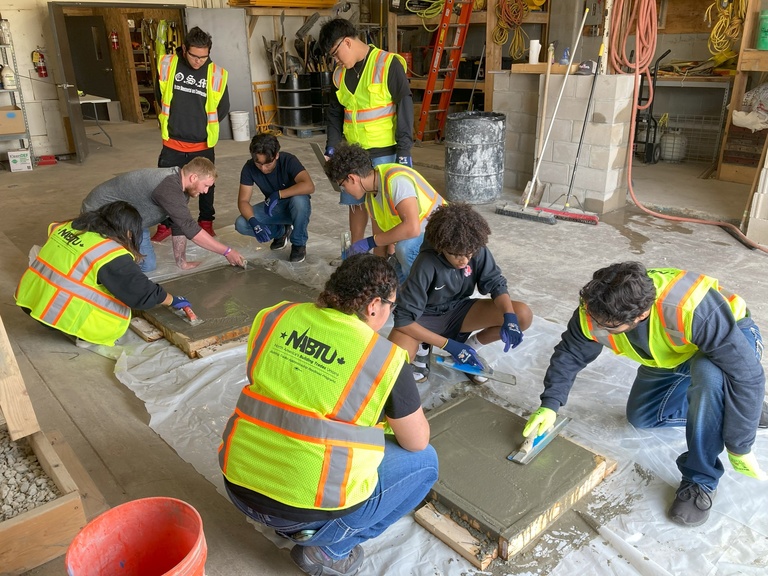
<point x="674" y="145"/>
<point x="9" y="78"/>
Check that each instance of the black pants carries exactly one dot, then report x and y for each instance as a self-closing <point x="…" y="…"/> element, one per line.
<point x="170" y="157"/>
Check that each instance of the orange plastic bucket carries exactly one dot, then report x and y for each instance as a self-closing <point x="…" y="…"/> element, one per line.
<point x="147" y="537"/>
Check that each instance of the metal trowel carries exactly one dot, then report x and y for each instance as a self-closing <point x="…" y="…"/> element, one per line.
<point x="487" y="372"/>
<point x="187" y="314"/>
<point x="532" y="445"/>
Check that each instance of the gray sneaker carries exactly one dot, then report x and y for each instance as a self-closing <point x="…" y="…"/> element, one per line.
<point x="312" y="560"/>
<point x="692" y="504"/>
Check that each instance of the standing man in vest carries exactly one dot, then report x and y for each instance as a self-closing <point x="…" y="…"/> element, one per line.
<point x="398" y="199"/>
<point x="194" y="97"/>
<point x="699" y="354"/>
<point x="305" y="451"/>
<point x="373" y="106"/>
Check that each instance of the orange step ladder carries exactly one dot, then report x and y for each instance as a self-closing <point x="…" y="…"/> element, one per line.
<point x="453" y="51"/>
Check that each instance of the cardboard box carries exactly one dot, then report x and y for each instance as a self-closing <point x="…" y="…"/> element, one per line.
<point x="11" y="120"/>
<point x="20" y="160"/>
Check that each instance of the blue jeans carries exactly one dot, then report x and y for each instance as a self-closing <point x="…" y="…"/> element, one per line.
<point x="695" y="395"/>
<point x="405" y="478"/>
<point x="406" y="252"/>
<point x="293" y="211"/>
<point x="347" y="199"/>
<point x="145" y="247"/>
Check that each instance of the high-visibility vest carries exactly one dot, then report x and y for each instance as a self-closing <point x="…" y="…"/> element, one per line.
<point x="216" y="83"/>
<point x="306" y="429"/>
<point x="382" y="208"/>
<point x="671" y="318"/>
<point x="370" y="115"/>
<point x="61" y="287"/>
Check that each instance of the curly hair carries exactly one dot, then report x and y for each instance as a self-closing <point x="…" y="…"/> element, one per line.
<point x="348" y="159"/>
<point x="618" y="294"/>
<point x="198" y="39"/>
<point x="203" y="167"/>
<point x="114" y="221"/>
<point x="332" y="31"/>
<point x="265" y="144"/>
<point x="355" y="284"/>
<point x="456" y="228"/>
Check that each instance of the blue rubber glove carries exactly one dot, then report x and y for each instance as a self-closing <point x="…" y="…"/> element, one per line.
<point x="270" y="203"/>
<point x="463" y="353"/>
<point x="511" y="334"/>
<point x="179" y="303"/>
<point x="362" y="246"/>
<point x="329" y="150"/>
<point x="540" y="421"/>
<point x="262" y="234"/>
<point x="405" y="161"/>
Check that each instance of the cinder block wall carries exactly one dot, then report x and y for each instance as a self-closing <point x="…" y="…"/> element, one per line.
<point x="600" y="183"/>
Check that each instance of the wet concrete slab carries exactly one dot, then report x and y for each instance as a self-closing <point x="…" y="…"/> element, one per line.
<point x="501" y="499"/>
<point x="226" y="299"/>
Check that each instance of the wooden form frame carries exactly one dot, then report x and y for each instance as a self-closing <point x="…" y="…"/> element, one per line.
<point x="44" y="533"/>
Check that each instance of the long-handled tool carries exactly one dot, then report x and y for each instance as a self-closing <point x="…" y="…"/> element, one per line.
<point x="532" y="445"/>
<point x="538" y="215"/>
<point x="487" y="371"/>
<point x="538" y="193"/>
<point x="565" y="214"/>
<point x="471" y="105"/>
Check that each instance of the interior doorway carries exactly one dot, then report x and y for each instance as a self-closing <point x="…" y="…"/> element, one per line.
<point x="90" y="55"/>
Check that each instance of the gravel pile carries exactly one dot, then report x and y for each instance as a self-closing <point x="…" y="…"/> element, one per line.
<point x="24" y="483"/>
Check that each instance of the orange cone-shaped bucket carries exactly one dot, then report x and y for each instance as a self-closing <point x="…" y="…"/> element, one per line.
<point x="147" y="537"/>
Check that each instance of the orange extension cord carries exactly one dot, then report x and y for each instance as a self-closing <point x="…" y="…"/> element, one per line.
<point x="641" y="22"/>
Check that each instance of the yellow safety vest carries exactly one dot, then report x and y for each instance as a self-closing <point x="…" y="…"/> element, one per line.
<point x="61" y="286"/>
<point x="382" y="208"/>
<point x="370" y="115"/>
<point x="671" y="318"/>
<point x="306" y="429"/>
<point x="216" y="84"/>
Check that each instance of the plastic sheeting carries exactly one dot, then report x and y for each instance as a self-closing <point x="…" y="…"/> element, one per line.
<point x="189" y="402"/>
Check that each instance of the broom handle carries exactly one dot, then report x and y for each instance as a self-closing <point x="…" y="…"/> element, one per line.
<point x="562" y="89"/>
<point x="550" y="57"/>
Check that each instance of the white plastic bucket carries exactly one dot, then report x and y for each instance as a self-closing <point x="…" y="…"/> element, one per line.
<point x="240" y="128"/>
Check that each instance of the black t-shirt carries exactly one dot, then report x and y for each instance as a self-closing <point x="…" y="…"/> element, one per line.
<point x="282" y="177"/>
<point x="403" y="401"/>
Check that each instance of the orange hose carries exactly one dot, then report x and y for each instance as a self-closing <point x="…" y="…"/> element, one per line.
<point x="642" y="15"/>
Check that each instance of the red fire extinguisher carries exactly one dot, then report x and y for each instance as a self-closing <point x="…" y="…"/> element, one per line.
<point x="38" y="59"/>
<point x="113" y="40"/>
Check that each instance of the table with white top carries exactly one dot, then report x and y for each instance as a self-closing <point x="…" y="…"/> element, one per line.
<point x="93" y="100"/>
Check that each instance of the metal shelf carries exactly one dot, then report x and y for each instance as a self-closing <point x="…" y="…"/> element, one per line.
<point x="17" y="136"/>
<point x="8" y="57"/>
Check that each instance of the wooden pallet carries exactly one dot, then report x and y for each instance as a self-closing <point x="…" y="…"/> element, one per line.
<point x="301" y="131"/>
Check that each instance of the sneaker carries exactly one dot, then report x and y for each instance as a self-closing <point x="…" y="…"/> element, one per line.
<point x="161" y="233"/>
<point x="312" y="560"/>
<point x="298" y="253"/>
<point x="280" y="243"/>
<point x="207" y="225"/>
<point x="691" y="505"/>
<point x="421" y="363"/>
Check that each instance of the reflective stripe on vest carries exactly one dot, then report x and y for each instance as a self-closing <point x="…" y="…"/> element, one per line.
<point x="385" y="213"/>
<point x="670" y="303"/>
<point x="371" y="114"/>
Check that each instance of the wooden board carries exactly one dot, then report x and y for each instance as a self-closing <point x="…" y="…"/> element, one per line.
<point x="457" y="537"/>
<point x="14" y="398"/>
<point x="35" y="537"/>
<point x="145" y="330"/>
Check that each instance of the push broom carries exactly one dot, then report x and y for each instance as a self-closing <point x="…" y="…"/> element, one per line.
<point x="566" y="214"/>
<point x="534" y="186"/>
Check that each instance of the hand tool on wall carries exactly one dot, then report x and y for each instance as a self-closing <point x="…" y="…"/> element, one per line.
<point x="486" y="372"/>
<point x="532" y="445"/>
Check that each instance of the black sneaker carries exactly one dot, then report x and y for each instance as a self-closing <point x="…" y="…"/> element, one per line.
<point x="298" y="253"/>
<point x="279" y="243"/>
<point x="312" y="560"/>
<point x="691" y="505"/>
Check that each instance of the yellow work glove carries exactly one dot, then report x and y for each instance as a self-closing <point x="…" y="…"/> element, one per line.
<point x="539" y="422"/>
<point x="747" y="464"/>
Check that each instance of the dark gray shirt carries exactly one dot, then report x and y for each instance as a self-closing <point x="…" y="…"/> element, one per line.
<point x="134" y="187"/>
<point x="171" y="198"/>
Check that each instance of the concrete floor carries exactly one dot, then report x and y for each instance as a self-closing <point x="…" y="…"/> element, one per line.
<point x="74" y="390"/>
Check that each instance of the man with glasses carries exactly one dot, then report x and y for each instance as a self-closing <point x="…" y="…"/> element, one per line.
<point x="373" y="106"/>
<point x="699" y="354"/>
<point x="286" y="186"/>
<point x="194" y="98"/>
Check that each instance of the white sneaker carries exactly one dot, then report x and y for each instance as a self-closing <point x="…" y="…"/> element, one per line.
<point x="474" y="342"/>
